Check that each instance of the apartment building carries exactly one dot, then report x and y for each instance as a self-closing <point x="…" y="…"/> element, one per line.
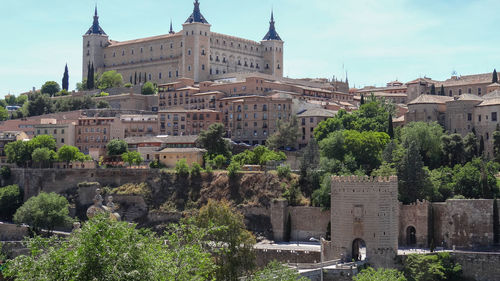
<point x="94" y="133"/>
<point x="180" y="122"/>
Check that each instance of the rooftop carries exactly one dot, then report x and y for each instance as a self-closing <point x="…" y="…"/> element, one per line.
<point x="430" y="99"/>
<point x="183" y="150"/>
<point x="318" y="112"/>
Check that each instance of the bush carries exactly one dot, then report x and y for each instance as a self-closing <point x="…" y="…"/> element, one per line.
<point x="233" y="169"/>
<point x="195" y="170"/>
<point x="10" y="200"/>
<point x="5" y="172"/>
<point x="148" y="89"/>
<point x="156" y="165"/>
<point x="47" y="210"/>
<point x="219" y="161"/>
<point x="182" y="168"/>
<point x="284" y="171"/>
<point x="128" y="85"/>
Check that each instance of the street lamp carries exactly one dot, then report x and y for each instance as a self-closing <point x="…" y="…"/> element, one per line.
<point x="312" y="239"/>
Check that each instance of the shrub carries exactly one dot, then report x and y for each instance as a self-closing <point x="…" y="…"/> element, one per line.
<point x="195" y="170"/>
<point x="219" y="161"/>
<point x="133" y="189"/>
<point x="233" y="169"/>
<point x="182" y="168"/>
<point x="148" y="89"/>
<point x="284" y="171"/>
<point x="10" y="200"/>
<point x="156" y="165"/>
<point x="5" y="172"/>
<point x="128" y="85"/>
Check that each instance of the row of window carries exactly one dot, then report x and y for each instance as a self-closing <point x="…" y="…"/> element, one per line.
<point x="494" y="117"/>
<point x="91" y="138"/>
<point x="92" y="130"/>
<point x="46" y="132"/>
<point x="134" y="79"/>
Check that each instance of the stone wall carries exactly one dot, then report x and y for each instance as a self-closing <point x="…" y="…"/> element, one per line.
<point x="415" y="215"/>
<point x="264" y="256"/>
<point x="308" y="222"/>
<point x="12" y="232"/>
<point x="479" y="266"/>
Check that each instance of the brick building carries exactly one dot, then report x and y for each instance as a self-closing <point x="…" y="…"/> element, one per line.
<point x="179" y="122"/>
<point x="94" y="133"/>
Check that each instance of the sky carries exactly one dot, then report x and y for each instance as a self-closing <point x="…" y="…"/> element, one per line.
<point x="374" y="41"/>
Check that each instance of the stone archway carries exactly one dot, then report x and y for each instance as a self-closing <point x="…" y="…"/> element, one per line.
<point x="411" y="236"/>
<point x="358" y="250"/>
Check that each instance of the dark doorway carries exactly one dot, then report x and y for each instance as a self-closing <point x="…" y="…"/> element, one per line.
<point x="411" y="236"/>
<point x="358" y="250"/>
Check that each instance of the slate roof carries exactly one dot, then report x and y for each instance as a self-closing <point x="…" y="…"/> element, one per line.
<point x="272" y="34"/>
<point x="318" y="112"/>
<point x="422" y="99"/>
<point x="196" y="16"/>
<point x="95" y="28"/>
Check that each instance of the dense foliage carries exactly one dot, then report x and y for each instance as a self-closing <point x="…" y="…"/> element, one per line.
<point x="260" y="155"/>
<point x="10" y="200"/>
<point x="434" y="267"/>
<point x="380" y="274"/>
<point x="213" y="140"/>
<point x="116" y="147"/>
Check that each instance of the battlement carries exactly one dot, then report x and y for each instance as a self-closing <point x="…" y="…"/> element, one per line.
<point x="364" y="179"/>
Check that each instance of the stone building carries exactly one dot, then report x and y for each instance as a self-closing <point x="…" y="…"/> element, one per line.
<point x="427" y="108"/>
<point x="139" y="125"/>
<point x="170" y="156"/>
<point x="63" y="134"/>
<point x="194" y="52"/>
<point x="92" y="134"/>
<point x="7" y="137"/>
<point x="179" y="122"/>
<point x="308" y="120"/>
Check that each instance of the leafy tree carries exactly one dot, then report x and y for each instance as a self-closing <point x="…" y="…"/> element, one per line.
<point x="286" y="134"/>
<point x="284" y="171"/>
<point x="441" y="92"/>
<point x="260" y="155"/>
<point x="149" y="89"/>
<point x="65" y="79"/>
<point x="182" y="168"/>
<point x="195" y="170"/>
<point x="476" y="179"/>
<point x="433" y="89"/>
<point x="293" y="194"/>
<point x="470" y="147"/>
<point x="453" y="149"/>
<point x="442" y="182"/>
<point x="132" y="158"/>
<point x="495" y="77"/>
<point x="103" y="104"/>
<point x="213" y="140"/>
<point x="18" y="152"/>
<point x="233" y="169"/>
<point x="101" y="250"/>
<point x="381" y="274"/>
<point x="413" y="178"/>
<point x="45" y="211"/>
<point x="385" y="170"/>
<point x="4" y="113"/>
<point x="68" y="153"/>
<point x="219" y="161"/>
<point x="41" y="104"/>
<point x="481" y="147"/>
<point x="311" y="154"/>
<point x="5" y="172"/>
<point x="10" y="200"/>
<point x="427" y="137"/>
<point x="362" y="101"/>
<point x="436" y="267"/>
<point x="366" y="147"/>
<point x="324" y="128"/>
<point x="236" y="256"/>
<point x="116" y="147"/>
<point x="128" y="85"/>
<point x="277" y="271"/>
<point x="321" y="197"/>
<point x="110" y="79"/>
<point x="43" y="156"/>
<point x="50" y="88"/>
<point x="333" y="147"/>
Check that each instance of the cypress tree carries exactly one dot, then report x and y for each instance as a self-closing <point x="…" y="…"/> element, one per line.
<point x="92" y="82"/>
<point x="495" y="76"/>
<point x="65" y="80"/>
<point x="362" y="99"/>
<point x="140" y="78"/>
<point x="390" y="129"/>
<point x="135" y="78"/>
<point x="442" y="91"/>
<point x="481" y="147"/>
<point x="88" y="77"/>
<point x="145" y="77"/>
<point x="433" y="90"/>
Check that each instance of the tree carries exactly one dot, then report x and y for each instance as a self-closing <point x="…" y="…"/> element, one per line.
<point x="18" y="152"/>
<point x="39" y="105"/>
<point x="495" y="77"/>
<point x="470" y="147"/>
<point x="10" y="200"/>
<point x="321" y="197"/>
<point x="213" y="140"/>
<point x="413" y="178"/>
<point x="116" y="147"/>
<point x="390" y="129"/>
<point x="433" y="89"/>
<point x="103" y="104"/>
<point x="149" y="89"/>
<point x="132" y="158"/>
<point x="65" y="79"/>
<point x="101" y="250"/>
<point x="366" y="147"/>
<point x="427" y="137"/>
<point x="235" y="256"/>
<point x="476" y="179"/>
<point x="42" y="141"/>
<point x="381" y="274"/>
<point x="195" y="170"/>
<point x="311" y="154"/>
<point x="277" y="271"/>
<point x="110" y="79"/>
<point x="182" y="168"/>
<point x="45" y="211"/>
<point x="496" y="144"/>
<point x="50" y="88"/>
<point x="68" y="153"/>
<point x="333" y="147"/>
<point x="286" y="134"/>
<point x="43" y="156"/>
<point x="435" y="267"/>
<point x="219" y="161"/>
<point x="233" y="169"/>
<point x="4" y="113"/>
<point x="453" y="150"/>
<point x="441" y="92"/>
<point x="260" y="155"/>
<point x="90" y="78"/>
<point x="362" y="101"/>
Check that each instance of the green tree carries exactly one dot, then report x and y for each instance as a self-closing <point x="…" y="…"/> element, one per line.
<point x="277" y="271"/>
<point x="4" y="113"/>
<point x="195" y="170"/>
<point x="333" y="147"/>
<point x="495" y="77"/>
<point x="390" y="129"/>
<point x="101" y="250"/>
<point x="220" y="161"/>
<point x="321" y="197"/>
<point x="427" y="137"/>
<point x="286" y="134"/>
<point x="65" y="79"/>
<point x="432" y="268"/>
<point x="149" y="89"/>
<point x="433" y="89"/>
<point x="21" y="100"/>
<point x="103" y="104"/>
<point x="441" y="92"/>
<point x="311" y="154"/>
<point x="18" y="152"/>
<point x="50" y="88"/>
<point x="10" y="200"/>
<point x="470" y="147"/>
<point x="330" y="125"/>
<point x="233" y="169"/>
<point x="68" y="153"/>
<point x="381" y="274"/>
<point x="41" y="104"/>
<point x="481" y="147"/>
<point x="366" y="147"/>
<point x="413" y="178"/>
<point x="132" y="158"/>
<point x="182" y="168"/>
<point x="116" y="147"/>
<point x="284" y="172"/>
<point x="452" y="147"/>
<point x="5" y="172"/>
<point x="45" y="211"/>
<point x="236" y="256"/>
<point x="213" y="140"/>
<point x="496" y="143"/>
<point x="110" y="79"/>
<point x="43" y="156"/>
<point x="476" y="179"/>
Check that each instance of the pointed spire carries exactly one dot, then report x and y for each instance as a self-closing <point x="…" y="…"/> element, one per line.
<point x="95" y="28"/>
<point x="272" y="34"/>
<point x="171" y="28"/>
<point x="196" y="16"/>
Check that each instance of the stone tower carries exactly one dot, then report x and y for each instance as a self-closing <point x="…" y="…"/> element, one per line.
<point x="273" y="51"/>
<point x="196" y="50"/>
<point x="365" y="211"/>
<point x="94" y="42"/>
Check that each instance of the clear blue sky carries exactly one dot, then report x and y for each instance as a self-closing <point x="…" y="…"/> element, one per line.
<point x="376" y="40"/>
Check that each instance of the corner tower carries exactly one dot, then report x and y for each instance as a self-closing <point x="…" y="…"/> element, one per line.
<point x="196" y="46"/>
<point x="273" y="51"/>
<point x="94" y="42"/>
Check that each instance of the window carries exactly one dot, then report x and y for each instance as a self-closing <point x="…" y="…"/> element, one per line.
<point x="494" y="116"/>
<point x="159" y="75"/>
<point x="189" y="68"/>
<point x="202" y="67"/>
<point x="479" y="118"/>
<point x="451" y="93"/>
<point x="478" y="91"/>
<point x="189" y="52"/>
<point x="459" y="92"/>
<point x="469" y="116"/>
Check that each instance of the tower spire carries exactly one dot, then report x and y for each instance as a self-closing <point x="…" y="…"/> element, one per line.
<point x="171" y="28"/>
<point x="95" y="28"/>
<point x="196" y="16"/>
<point x="272" y="34"/>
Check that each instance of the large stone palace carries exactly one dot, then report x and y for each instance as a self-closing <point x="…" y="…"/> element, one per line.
<point x="194" y="52"/>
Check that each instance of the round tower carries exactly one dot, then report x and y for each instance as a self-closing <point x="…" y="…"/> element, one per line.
<point x="272" y="51"/>
<point x="94" y="42"/>
<point x="196" y="42"/>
